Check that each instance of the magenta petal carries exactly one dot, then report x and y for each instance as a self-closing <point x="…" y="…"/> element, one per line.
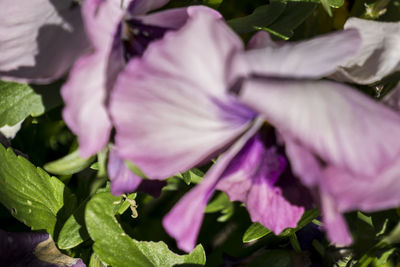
<point x="333" y="121"/>
<point x="184" y="220"/>
<point x="250" y="178"/>
<point x="313" y="58"/>
<point x="334" y="222"/>
<point x="39" y="40"/>
<point x="173" y="101"/>
<point x="378" y="56"/>
<point x="123" y="180"/>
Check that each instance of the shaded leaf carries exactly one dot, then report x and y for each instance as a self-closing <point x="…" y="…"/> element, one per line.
<point x="255" y="232"/>
<point x="70" y="164"/>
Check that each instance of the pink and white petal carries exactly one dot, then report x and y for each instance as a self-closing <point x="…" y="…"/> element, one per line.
<point x="39" y="40"/>
<point x="174" y="18"/>
<point x="184" y="220"/>
<point x="364" y="193"/>
<point x="85" y="113"/>
<point x="170" y="107"/>
<point x="313" y="58"/>
<point x="141" y="7"/>
<point x="123" y="180"/>
<point x="338" y="124"/>
<point x="379" y="55"/>
<point x="334" y="222"/>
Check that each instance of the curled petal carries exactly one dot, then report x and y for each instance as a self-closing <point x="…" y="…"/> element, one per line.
<point x="173" y="103"/>
<point x="378" y="56"/>
<point x="39" y="40"/>
<point x="334" y="122"/>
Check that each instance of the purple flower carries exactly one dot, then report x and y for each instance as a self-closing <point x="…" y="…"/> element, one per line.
<point x="39" y="40"/>
<point x="117" y="33"/>
<point x="338" y="140"/>
<point x="32" y="249"/>
<point x="379" y="55"/>
<point x="175" y="108"/>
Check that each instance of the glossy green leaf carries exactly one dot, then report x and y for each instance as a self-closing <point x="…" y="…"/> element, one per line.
<point x="18" y="101"/>
<point x="116" y="248"/>
<point x="255" y="232"/>
<point x="30" y="193"/>
<point x="70" y="164"/>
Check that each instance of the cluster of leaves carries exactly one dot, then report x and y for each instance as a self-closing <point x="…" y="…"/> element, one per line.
<point x="86" y="221"/>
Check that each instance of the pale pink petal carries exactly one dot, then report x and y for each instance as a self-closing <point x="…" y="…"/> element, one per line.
<point x="338" y="124"/>
<point x="170" y="107"/>
<point x="39" y="40"/>
<point x="312" y="58"/>
<point x="184" y="220"/>
<point x="379" y="55"/>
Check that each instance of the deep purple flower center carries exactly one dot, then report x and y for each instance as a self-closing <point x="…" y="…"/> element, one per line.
<point x="138" y="36"/>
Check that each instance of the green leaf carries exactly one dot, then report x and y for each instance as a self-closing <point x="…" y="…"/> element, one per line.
<point x="70" y="164"/>
<point x="293" y="15"/>
<point x="255" y="232"/>
<point x="73" y="231"/>
<point x="222" y="204"/>
<point x="262" y="17"/>
<point x="212" y="3"/>
<point x="30" y="193"/>
<point x="116" y="248"/>
<point x="18" y="101"/>
<point x="96" y="262"/>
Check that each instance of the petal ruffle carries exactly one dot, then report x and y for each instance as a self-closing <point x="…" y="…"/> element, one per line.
<point x="340" y="125"/>
<point x="250" y="178"/>
<point x="39" y="40"/>
<point x="170" y="107"/>
<point x="378" y="56"/>
<point x="313" y="58"/>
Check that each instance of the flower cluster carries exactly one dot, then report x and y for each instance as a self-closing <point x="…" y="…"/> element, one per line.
<point x="179" y="88"/>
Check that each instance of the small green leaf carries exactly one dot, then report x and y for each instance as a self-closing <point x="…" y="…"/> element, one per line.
<point x="212" y="3"/>
<point x="262" y="17"/>
<point x="18" y="101"/>
<point x="254" y="232"/>
<point x="70" y="164"/>
<point x="96" y="262"/>
<point x="30" y="193"/>
<point x="116" y="248"/>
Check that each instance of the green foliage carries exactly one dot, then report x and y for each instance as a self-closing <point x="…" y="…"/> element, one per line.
<point x="18" y="101"/>
<point x="115" y="247"/>
<point x="221" y="203"/>
<point x="70" y="164"/>
<point x="254" y="232"/>
<point x="30" y="193"/>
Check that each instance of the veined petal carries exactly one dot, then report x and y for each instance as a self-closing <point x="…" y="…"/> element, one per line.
<point x="336" y="123"/>
<point x="123" y="180"/>
<point x="184" y="220"/>
<point x="140" y="7"/>
<point x="313" y="58"/>
<point x="250" y="178"/>
<point x="378" y="56"/>
<point x="170" y="107"/>
<point x="39" y="40"/>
